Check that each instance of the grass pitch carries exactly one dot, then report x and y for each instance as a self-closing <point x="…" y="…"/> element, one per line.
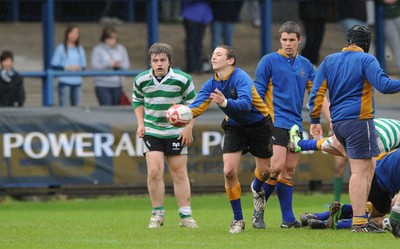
<point x="121" y="222"/>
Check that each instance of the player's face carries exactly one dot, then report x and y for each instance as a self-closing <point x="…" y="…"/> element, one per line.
<point x="160" y="64"/>
<point x="289" y="43"/>
<point x="219" y="59"/>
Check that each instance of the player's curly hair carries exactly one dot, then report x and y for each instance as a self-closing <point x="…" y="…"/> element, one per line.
<point x="359" y="35"/>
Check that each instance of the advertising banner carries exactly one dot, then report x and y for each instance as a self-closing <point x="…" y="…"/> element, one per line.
<point x="98" y="146"/>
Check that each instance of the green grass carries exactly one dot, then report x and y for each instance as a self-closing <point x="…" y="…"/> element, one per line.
<point x="121" y="222"/>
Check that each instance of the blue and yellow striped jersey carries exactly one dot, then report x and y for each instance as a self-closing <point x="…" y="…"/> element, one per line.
<point x="244" y="106"/>
<point x="282" y="81"/>
<point x="350" y="76"/>
<point x="387" y="171"/>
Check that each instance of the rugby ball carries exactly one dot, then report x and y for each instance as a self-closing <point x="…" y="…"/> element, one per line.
<point x="179" y="115"/>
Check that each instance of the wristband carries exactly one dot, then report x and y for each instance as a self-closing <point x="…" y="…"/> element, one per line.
<point x="224" y="104"/>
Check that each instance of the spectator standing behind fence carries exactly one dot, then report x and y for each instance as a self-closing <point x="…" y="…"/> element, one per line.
<point x="109" y="55"/>
<point x="69" y="56"/>
<point x="253" y="7"/>
<point x="312" y="14"/>
<point x="392" y="28"/>
<point x="12" y="90"/>
<point x="196" y="16"/>
<point x="352" y="12"/>
<point x="226" y="13"/>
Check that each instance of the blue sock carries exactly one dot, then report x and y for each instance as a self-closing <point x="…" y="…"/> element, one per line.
<point x="308" y="144"/>
<point x="347" y="211"/>
<point x="285" y="194"/>
<point x="322" y="216"/>
<point x="237" y="209"/>
<point x="268" y="189"/>
<point x="257" y="184"/>
<point x="344" y="224"/>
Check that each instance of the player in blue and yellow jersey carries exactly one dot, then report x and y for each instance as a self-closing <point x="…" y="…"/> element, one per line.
<point x="385" y="185"/>
<point x="351" y="76"/>
<point x="282" y="78"/>
<point x="247" y="125"/>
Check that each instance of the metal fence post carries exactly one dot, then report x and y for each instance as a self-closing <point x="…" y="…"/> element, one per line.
<point x="266" y="23"/>
<point x="48" y="47"/>
<point x="152" y="22"/>
<point x="380" y="34"/>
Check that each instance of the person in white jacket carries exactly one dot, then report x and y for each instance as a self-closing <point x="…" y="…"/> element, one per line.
<point x="109" y="55"/>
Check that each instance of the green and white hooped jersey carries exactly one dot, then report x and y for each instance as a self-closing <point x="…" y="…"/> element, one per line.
<point x="388" y="131"/>
<point x="157" y="97"/>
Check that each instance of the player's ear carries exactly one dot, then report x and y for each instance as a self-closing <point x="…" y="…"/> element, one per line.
<point x="300" y="39"/>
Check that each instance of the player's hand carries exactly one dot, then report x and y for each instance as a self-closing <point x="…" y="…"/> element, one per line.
<point x="218" y="97"/>
<point x="140" y="130"/>
<point x="187" y="135"/>
<point x="316" y="131"/>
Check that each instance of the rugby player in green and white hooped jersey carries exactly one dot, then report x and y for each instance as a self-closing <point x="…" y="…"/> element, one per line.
<point x="387" y="131"/>
<point x="154" y="91"/>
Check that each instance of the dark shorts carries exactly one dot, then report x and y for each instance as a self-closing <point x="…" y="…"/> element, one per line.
<point x="170" y="146"/>
<point x="254" y="138"/>
<point x="380" y="198"/>
<point x="280" y="136"/>
<point x="358" y="137"/>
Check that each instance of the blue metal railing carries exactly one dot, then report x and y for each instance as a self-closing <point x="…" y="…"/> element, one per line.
<point x="49" y="75"/>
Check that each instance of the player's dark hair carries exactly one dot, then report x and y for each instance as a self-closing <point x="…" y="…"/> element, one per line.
<point x="230" y="52"/>
<point x="360" y="36"/>
<point x="6" y="54"/>
<point x="290" y="27"/>
<point x="108" y="32"/>
<point x="161" y="48"/>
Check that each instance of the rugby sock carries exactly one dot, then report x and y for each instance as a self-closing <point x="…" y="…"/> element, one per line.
<point x="258" y="181"/>
<point x="185" y="212"/>
<point x="284" y="190"/>
<point x="269" y="187"/>
<point x="322" y="216"/>
<point x="320" y="142"/>
<point x="347" y="211"/>
<point x="360" y="220"/>
<point x="344" y="224"/>
<point x="307" y="144"/>
<point x="395" y="213"/>
<point x="234" y="197"/>
<point x="160" y="211"/>
<point x="370" y="208"/>
<point x="337" y="187"/>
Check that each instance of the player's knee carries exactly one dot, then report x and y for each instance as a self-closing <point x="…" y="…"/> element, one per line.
<point x="229" y="174"/>
<point x="274" y="173"/>
<point x="154" y="173"/>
